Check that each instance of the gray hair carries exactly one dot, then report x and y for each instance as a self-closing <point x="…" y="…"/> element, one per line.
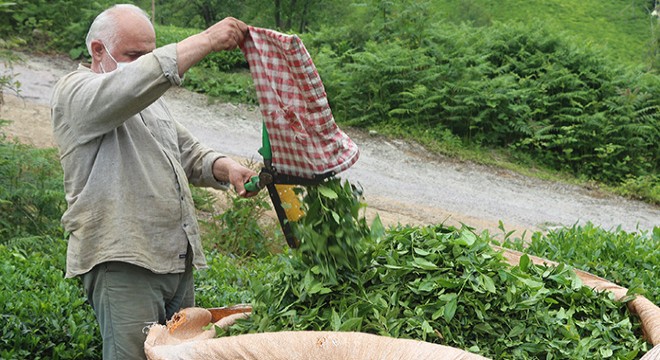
<point x="104" y="26"/>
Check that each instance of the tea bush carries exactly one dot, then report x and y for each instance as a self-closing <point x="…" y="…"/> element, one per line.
<point x="44" y="315"/>
<point x="241" y="230"/>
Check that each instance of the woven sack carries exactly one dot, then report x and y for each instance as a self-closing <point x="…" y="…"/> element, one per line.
<point x="184" y="338"/>
<point x="654" y="354"/>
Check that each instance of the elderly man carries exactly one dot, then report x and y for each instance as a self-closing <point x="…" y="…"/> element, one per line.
<point x="133" y="235"/>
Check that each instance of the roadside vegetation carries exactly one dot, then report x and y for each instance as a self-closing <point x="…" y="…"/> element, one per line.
<point x="571" y="96"/>
<point x="563" y="91"/>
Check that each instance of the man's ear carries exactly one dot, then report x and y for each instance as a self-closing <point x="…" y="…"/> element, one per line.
<point x="97" y="50"/>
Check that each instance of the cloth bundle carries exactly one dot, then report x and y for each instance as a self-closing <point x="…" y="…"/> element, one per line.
<point x="305" y="140"/>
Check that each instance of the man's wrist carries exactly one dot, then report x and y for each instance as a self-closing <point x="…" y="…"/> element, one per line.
<point x="220" y="172"/>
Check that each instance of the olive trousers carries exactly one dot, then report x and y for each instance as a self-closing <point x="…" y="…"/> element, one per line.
<point x="127" y="299"/>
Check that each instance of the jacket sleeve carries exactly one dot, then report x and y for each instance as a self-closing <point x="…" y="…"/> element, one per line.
<point x="94" y="104"/>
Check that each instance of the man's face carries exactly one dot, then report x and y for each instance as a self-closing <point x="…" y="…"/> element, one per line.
<point x="135" y="37"/>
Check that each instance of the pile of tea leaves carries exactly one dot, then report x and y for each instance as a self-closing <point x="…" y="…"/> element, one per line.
<point x="439" y="284"/>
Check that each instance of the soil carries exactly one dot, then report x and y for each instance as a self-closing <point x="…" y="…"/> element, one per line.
<point x="402" y="183"/>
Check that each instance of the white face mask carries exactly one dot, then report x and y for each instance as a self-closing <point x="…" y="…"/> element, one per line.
<point x="120" y="65"/>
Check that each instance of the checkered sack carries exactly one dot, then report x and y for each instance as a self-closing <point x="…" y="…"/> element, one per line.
<point x="304" y="139"/>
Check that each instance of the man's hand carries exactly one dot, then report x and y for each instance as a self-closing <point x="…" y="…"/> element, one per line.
<point x="226" y="169"/>
<point x="228" y="34"/>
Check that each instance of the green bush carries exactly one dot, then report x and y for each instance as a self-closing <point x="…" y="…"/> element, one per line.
<point x="229" y="279"/>
<point x="48" y="25"/>
<point x="44" y="316"/>
<point x="8" y="58"/>
<point x="31" y="191"/>
<point x="240" y="230"/>
<point x="642" y="188"/>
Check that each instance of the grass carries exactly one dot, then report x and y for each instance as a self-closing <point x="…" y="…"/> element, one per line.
<point x="623" y="28"/>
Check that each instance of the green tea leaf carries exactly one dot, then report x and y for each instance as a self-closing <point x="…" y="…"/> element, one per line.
<point x="426" y="286"/>
<point x="426" y="327"/>
<point x="352" y="324"/>
<point x="487" y="282"/>
<point x="424" y="264"/>
<point x="517" y="330"/>
<point x="606" y="352"/>
<point x="466" y="238"/>
<point x="532" y="284"/>
<point x="335" y="321"/>
<point x="450" y="309"/>
<point x="327" y="192"/>
<point x="524" y="263"/>
<point x="336" y="217"/>
<point x="377" y="229"/>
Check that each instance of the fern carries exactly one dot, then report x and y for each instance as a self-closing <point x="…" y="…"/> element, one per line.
<point x="515" y="86"/>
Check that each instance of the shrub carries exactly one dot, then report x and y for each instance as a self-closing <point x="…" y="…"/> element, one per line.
<point x="513" y="86"/>
<point x="31" y="191"/>
<point x="228" y="280"/>
<point x="240" y="230"/>
<point x="47" y="25"/>
<point x="44" y="315"/>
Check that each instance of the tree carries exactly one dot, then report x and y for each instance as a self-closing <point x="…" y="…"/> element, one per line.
<point x="299" y="15"/>
<point x="207" y="9"/>
<point x="7" y="80"/>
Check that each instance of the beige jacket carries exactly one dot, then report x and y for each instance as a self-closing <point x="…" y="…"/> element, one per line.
<point x="127" y="167"/>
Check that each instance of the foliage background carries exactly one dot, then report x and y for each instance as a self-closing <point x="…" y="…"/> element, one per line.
<point x="569" y="87"/>
<point x="565" y="87"/>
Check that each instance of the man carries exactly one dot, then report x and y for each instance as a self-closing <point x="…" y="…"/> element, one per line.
<point x="133" y="235"/>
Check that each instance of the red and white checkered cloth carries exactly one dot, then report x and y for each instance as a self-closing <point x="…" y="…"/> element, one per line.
<point x="304" y="139"/>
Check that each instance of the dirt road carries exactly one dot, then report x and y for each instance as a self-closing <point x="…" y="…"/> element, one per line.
<point x="402" y="183"/>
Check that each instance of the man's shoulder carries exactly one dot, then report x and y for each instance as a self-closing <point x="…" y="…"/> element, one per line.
<point x="82" y="70"/>
<point x="64" y="84"/>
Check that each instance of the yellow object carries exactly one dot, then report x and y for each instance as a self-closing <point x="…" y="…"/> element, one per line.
<point x="290" y="202"/>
